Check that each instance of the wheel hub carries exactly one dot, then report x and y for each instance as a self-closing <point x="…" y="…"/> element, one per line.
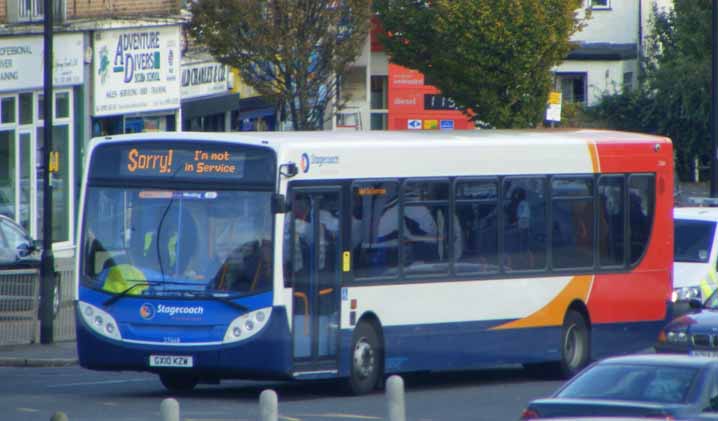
<point x="363" y="358"/>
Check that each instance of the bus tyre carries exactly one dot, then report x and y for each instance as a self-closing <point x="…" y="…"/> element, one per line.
<point x="178" y="382"/>
<point x="366" y="356"/>
<point x="575" y="344"/>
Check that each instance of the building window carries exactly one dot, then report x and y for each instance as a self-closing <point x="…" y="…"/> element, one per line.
<point x="378" y="121"/>
<point x="600" y="4"/>
<point x="379" y="92"/>
<point x="572" y="87"/>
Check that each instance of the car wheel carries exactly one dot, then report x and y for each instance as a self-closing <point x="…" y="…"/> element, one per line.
<point x="575" y="344"/>
<point x="367" y="357"/>
<point x="178" y="382"/>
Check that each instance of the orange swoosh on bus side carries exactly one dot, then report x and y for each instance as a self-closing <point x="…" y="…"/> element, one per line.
<point x="552" y="314"/>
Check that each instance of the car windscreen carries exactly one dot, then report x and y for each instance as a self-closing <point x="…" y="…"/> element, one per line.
<point x="632" y="382"/>
<point x="693" y="240"/>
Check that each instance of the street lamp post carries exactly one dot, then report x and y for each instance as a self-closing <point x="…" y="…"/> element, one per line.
<point x="47" y="269"/>
<point x="714" y="102"/>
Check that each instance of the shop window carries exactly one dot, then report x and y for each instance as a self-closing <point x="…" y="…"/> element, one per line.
<point x="378" y="121"/>
<point x="379" y="92"/>
<point x="61" y="185"/>
<point x="7" y="110"/>
<point x="26" y="108"/>
<point x="7" y="173"/>
<point x="62" y="105"/>
<point x="107" y="126"/>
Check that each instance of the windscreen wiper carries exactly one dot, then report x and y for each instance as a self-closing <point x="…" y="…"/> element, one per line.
<point x="124" y="293"/>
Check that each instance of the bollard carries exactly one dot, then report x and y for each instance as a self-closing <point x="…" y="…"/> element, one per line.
<point x="169" y="410"/>
<point x="58" y="416"/>
<point x="268" y="406"/>
<point x="395" y="398"/>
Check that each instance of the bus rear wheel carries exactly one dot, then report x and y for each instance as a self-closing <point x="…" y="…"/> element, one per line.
<point x="366" y="356"/>
<point x="575" y="344"/>
<point x="178" y="382"/>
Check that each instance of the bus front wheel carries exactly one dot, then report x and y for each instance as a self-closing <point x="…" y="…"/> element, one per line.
<point x="178" y="382"/>
<point x="366" y="361"/>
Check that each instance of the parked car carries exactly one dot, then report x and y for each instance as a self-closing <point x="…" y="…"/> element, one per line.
<point x="18" y="293"/>
<point x="695" y="256"/>
<point x="17" y="249"/>
<point x="677" y="387"/>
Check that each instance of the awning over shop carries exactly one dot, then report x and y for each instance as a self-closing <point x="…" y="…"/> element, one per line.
<point x="256" y="113"/>
<point x="204" y="106"/>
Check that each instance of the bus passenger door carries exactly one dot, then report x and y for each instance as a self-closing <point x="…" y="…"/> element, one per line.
<point x="316" y="254"/>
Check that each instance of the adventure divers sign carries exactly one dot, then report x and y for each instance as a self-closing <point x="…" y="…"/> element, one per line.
<point x="136" y="70"/>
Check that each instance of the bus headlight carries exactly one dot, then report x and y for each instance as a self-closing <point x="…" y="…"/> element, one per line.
<point x="99" y="320"/>
<point x="247" y="325"/>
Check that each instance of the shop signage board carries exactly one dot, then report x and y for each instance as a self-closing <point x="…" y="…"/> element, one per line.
<point x="21" y="58"/>
<point x="136" y="70"/>
<point x="203" y="79"/>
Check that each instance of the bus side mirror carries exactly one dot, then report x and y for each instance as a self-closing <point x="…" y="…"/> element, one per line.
<point x="279" y="204"/>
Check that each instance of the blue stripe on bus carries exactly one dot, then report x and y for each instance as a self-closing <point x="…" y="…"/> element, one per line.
<point x="439" y="347"/>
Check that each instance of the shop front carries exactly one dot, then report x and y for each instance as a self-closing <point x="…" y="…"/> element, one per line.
<point x="22" y="122"/>
<point x="136" y="80"/>
<point x="207" y="99"/>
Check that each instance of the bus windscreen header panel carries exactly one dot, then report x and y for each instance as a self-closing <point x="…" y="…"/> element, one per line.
<point x="184" y="161"/>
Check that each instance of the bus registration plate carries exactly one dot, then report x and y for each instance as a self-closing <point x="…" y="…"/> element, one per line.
<point x="171" y="361"/>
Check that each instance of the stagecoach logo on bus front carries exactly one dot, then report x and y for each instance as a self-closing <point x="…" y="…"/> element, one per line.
<point x="147" y="311"/>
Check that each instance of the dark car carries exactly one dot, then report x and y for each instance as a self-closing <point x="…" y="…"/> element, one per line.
<point x="646" y="385"/>
<point x="19" y="261"/>
<point x="17" y="249"/>
<point x="695" y="333"/>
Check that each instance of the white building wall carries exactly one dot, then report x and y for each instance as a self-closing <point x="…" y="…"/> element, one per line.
<point x="617" y="25"/>
<point x="601" y="76"/>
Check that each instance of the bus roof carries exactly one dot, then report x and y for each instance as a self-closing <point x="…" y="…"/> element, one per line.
<point x="378" y="154"/>
<point x="383" y="137"/>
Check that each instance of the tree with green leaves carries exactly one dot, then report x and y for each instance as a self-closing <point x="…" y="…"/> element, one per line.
<point x="292" y="51"/>
<point x="493" y="57"/>
<point x="674" y="94"/>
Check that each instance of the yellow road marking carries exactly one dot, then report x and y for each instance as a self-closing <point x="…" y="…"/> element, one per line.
<point x="28" y="410"/>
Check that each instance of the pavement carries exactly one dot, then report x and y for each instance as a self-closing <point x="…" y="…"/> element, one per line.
<point x="58" y="354"/>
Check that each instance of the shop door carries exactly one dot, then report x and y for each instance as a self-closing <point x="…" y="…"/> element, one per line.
<point x="316" y="237"/>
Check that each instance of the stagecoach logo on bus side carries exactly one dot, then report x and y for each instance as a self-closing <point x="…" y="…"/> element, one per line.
<point x="304" y="163"/>
<point x="147" y="311"/>
<point x="317" y="161"/>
